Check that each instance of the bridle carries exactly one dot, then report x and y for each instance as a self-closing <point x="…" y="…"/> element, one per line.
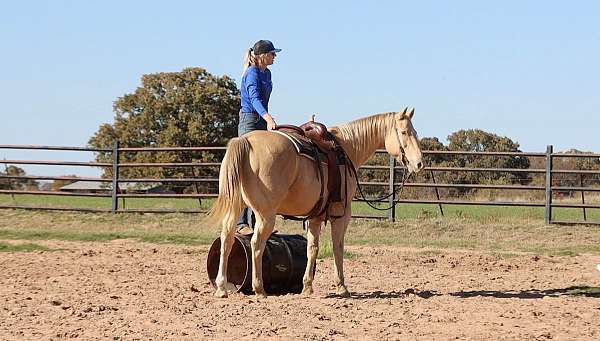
<point x="405" y="176"/>
<point x="402" y="150"/>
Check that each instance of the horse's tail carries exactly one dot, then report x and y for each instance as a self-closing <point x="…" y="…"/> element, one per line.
<point x="230" y="200"/>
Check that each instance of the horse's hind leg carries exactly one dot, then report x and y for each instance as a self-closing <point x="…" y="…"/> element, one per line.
<point x="338" y="230"/>
<point x="227" y="238"/>
<point x="262" y="231"/>
<point x="312" y="249"/>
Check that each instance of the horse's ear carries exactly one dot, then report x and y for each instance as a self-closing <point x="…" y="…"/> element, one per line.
<point x="402" y="114"/>
<point x="411" y="113"/>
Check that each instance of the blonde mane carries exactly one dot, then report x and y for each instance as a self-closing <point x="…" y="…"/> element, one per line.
<point x="365" y="134"/>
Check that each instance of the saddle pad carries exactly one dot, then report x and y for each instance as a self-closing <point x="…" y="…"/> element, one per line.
<point x="304" y="148"/>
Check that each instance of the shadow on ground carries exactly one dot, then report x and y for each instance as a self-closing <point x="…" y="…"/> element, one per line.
<point x="533" y="293"/>
<point x="522" y="294"/>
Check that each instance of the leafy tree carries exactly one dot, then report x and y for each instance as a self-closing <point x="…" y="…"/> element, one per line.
<point x="477" y="140"/>
<point x="17" y="184"/>
<point x="171" y="109"/>
<point x="431" y="143"/>
<point x="579" y="163"/>
<point x="431" y="160"/>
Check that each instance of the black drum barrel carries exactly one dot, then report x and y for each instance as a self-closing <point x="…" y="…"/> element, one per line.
<point x="284" y="263"/>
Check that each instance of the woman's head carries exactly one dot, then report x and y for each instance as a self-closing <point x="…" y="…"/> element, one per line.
<point x="262" y="54"/>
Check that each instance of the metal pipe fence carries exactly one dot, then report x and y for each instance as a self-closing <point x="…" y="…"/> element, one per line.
<point x="549" y="189"/>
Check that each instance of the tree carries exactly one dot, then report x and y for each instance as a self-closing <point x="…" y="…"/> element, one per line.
<point x="477" y="140"/>
<point x="571" y="163"/>
<point x="181" y="109"/>
<point x="17" y="184"/>
<point x="433" y="143"/>
<point x="431" y="160"/>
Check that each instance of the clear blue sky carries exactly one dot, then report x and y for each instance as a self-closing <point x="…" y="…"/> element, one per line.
<point x="528" y="70"/>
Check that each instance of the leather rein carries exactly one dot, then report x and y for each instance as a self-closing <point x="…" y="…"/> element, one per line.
<point x="405" y="176"/>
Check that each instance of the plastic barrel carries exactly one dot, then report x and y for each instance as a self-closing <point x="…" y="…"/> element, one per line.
<point x="284" y="263"/>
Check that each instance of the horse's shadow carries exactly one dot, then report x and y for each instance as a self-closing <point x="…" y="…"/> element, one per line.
<point x="585" y="291"/>
<point x="532" y="293"/>
<point x="392" y="294"/>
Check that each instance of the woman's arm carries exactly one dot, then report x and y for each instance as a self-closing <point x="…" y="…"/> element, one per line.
<point x="253" y="92"/>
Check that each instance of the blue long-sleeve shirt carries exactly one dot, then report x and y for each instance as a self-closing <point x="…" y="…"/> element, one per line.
<point x="255" y="90"/>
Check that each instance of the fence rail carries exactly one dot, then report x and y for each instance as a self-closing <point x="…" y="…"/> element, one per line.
<point x="112" y="188"/>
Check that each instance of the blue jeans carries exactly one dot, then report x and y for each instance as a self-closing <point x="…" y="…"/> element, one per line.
<point x="249" y="122"/>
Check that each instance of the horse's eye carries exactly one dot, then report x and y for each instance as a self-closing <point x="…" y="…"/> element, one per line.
<point x="404" y="133"/>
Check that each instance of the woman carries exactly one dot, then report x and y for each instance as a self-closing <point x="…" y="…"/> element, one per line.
<point x="255" y="92"/>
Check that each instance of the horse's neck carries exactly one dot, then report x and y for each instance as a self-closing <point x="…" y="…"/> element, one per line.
<point x="361" y="141"/>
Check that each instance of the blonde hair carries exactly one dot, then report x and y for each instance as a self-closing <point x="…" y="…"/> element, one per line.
<point x="251" y="59"/>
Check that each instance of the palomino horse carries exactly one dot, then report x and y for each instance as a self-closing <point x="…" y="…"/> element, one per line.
<point x="263" y="171"/>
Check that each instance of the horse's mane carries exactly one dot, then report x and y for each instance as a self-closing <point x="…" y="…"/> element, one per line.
<point x="364" y="132"/>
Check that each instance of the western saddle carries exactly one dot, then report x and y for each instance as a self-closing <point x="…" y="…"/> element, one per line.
<point x="312" y="139"/>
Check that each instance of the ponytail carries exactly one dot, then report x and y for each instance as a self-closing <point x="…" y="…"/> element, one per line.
<point x="248" y="60"/>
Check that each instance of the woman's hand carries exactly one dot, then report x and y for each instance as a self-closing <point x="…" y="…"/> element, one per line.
<point x="270" y="121"/>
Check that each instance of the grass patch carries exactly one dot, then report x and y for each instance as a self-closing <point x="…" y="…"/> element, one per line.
<point x="103" y="203"/>
<point x="104" y="236"/>
<point x="326" y="251"/>
<point x="25" y="247"/>
<point x="403" y="211"/>
<point x="484" y="234"/>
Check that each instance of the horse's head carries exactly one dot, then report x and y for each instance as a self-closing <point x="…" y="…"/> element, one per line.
<point x="401" y="141"/>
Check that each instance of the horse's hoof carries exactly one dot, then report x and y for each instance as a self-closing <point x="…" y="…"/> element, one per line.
<point x="260" y="294"/>
<point x="343" y="292"/>
<point x="221" y="294"/>
<point x="307" y="291"/>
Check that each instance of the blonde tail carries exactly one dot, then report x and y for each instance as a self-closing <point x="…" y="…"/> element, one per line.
<point x="230" y="201"/>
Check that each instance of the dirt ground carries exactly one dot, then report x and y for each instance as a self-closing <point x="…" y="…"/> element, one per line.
<point x="127" y="290"/>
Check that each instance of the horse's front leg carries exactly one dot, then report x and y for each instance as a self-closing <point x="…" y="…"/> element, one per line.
<point x="312" y="250"/>
<point x="338" y="230"/>
<point x="262" y="231"/>
<point x="227" y="236"/>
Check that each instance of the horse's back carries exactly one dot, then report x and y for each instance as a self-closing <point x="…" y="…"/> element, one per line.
<point x="269" y="145"/>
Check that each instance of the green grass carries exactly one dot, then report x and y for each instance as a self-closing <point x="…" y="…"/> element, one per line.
<point x="403" y="211"/>
<point x="474" y="211"/>
<point x="326" y="250"/>
<point x="188" y="238"/>
<point x="495" y="233"/>
<point x="102" y="203"/>
<point x="24" y="247"/>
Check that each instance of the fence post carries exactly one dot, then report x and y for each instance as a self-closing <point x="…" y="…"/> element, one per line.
<point x="437" y="194"/>
<point x="582" y="196"/>
<point x="392" y="189"/>
<point x="115" y="179"/>
<point x="548" y="210"/>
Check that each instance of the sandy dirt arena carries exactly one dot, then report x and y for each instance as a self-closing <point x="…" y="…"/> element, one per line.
<point x="128" y="290"/>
